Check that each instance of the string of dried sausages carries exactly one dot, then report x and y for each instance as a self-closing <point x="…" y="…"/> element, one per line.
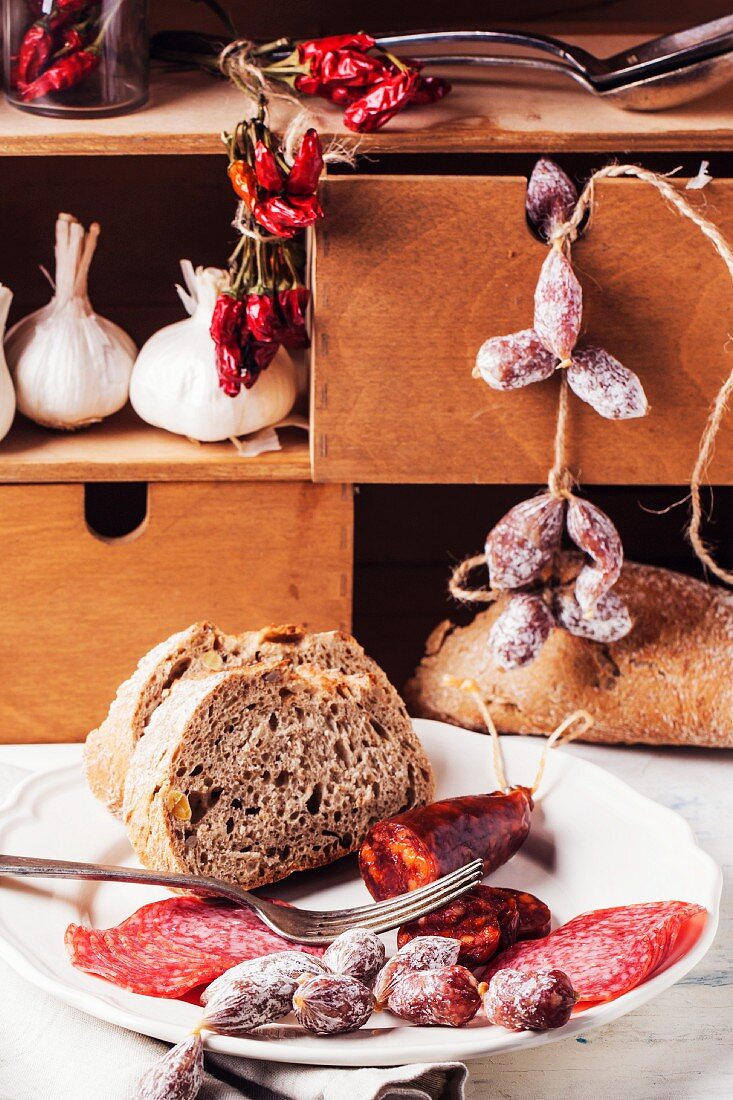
<point x="592" y="373"/>
<point x="517" y="360"/>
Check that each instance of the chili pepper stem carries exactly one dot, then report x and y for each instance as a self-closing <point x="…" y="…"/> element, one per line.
<point x="396" y="61"/>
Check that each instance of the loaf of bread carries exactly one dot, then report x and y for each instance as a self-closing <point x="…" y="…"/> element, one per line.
<point x="198" y="651"/>
<point x="668" y="682"/>
<point x="253" y="773"/>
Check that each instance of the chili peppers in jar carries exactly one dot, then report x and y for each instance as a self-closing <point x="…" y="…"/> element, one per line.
<point x="82" y="58"/>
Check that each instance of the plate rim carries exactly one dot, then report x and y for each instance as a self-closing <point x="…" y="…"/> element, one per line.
<point x="327" y="1052"/>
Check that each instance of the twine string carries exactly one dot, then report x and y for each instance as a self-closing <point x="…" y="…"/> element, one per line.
<point x="458" y="585"/>
<point x="560" y="480"/>
<point x="472" y="688"/>
<point x="563" y="735"/>
<point x="566" y="233"/>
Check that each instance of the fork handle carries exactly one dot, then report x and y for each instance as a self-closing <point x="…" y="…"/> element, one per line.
<point x="32" y="866"/>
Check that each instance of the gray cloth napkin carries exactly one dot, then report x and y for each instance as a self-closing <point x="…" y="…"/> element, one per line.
<point x="49" y="1049"/>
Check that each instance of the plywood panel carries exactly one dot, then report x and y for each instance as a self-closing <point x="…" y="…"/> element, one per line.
<point x="124" y="448"/>
<point x="488" y="110"/>
<point x="78" y="612"/>
<point x="413" y="274"/>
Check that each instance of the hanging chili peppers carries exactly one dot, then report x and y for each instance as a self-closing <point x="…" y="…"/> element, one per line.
<point x="265" y="305"/>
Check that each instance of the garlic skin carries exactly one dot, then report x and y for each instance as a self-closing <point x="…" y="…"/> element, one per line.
<point x="174" y="383"/>
<point x="71" y="367"/>
<point x="7" y="390"/>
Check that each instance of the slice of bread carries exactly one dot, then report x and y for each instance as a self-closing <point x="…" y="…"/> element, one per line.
<point x="253" y="773"/>
<point x="668" y="682"/>
<point x="195" y="652"/>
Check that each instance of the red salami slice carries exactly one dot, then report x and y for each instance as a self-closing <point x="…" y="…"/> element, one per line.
<point x="607" y="952"/>
<point x="169" y="947"/>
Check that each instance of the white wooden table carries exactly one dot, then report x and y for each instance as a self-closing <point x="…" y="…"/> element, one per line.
<point x="679" y="1046"/>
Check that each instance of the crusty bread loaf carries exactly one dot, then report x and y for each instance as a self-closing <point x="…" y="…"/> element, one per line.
<point x="668" y="682"/>
<point x="254" y="773"/>
<point x="190" y="654"/>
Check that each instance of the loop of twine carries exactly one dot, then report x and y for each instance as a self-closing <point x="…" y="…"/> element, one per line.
<point x="562" y="735"/>
<point x="472" y="688"/>
<point x="458" y="583"/>
<point x="566" y="234"/>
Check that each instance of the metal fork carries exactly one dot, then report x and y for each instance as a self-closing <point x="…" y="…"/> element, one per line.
<point x="309" y="926"/>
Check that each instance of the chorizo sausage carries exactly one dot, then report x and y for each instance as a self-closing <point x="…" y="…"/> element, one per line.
<point x="484" y="920"/>
<point x="417" y="847"/>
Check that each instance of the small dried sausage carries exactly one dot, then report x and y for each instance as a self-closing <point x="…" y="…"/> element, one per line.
<point x="417" y="847"/>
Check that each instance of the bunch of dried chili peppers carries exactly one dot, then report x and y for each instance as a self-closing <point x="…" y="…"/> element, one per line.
<point x="351" y="70"/>
<point x="264" y="307"/>
<point x="60" y="48"/>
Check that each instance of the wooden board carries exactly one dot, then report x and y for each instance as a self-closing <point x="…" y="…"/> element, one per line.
<point x="123" y="448"/>
<point x="78" y="611"/>
<point x="413" y="274"/>
<point x="494" y="111"/>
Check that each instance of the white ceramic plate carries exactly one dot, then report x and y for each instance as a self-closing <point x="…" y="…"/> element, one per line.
<point x="594" y="842"/>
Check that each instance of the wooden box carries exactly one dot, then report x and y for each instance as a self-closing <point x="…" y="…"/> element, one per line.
<point x="412" y="274"/>
<point x="79" y="610"/>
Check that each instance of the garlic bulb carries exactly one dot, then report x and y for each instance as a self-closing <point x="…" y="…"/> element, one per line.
<point x="7" y="392"/>
<point x="175" y="386"/>
<point x="71" y="367"/>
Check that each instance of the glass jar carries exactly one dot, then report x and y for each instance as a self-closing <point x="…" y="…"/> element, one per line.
<point x="76" y="58"/>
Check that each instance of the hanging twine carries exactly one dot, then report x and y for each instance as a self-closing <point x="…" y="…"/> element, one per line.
<point x="560" y="481"/>
<point x="236" y="64"/>
<point x="563" y="735"/>
<point x="565" y="234"/>
<point x="472" y="689"/>
<point x="572" y="727"/>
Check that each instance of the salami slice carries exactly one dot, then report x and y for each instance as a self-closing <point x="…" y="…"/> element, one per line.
<point x="607" y="952"/>
<point x="169" y="947"/>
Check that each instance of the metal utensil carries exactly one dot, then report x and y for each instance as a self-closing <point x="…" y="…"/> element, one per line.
<point x="652" y="76"/>
<point x="308" y="926"/>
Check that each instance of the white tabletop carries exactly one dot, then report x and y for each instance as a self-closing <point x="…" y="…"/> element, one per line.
<point x="677" y="1047"/>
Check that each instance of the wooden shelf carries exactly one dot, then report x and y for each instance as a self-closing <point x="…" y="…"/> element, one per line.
<point x="502" y="112"/>
<point x="123" y="448"/>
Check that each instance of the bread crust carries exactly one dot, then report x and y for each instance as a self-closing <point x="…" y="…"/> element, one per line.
<point x="668" y="682"/>
<point x="159" y="772"/>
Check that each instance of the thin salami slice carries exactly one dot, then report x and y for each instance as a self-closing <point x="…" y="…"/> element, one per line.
<point x="607" y="952"/>
<point x="169" y="947"/>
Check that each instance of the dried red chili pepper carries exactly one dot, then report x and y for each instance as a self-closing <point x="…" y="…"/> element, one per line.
<point x="226" y="332"/>
<point x="293" y="305"/>
<point x="64" y="73"/>
<point x="34" y="52"/>
<point x="65" y="12"/>
<point x="269" y="176"/>
<point x="382" y="102"/>
<point x="243" y="181"/>
<point x="285" y="215"/>
<point x="73" y="39"/>
<point x="429" y="90"/>
<point x="263" y="319"/>
<point x="307" y="166"/>
<point x="316" y="48"/>
<point x="226" y="321"/>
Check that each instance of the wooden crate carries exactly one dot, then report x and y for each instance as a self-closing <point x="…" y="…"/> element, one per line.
<point x="79" y="611"/>
<point x="412" y="274"/>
